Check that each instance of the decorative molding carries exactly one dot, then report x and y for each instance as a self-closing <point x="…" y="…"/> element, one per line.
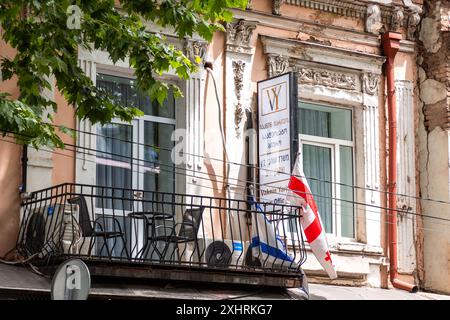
<point x="371" y="148"/>
<point x="379" y="12"/>
<point x="238" y="71"/>
<point x="239" y="35"/>
<point x="277" y="64"/>
<point x="370" y="83"/>
<point x="326" y="78"/>
<point x="276" y="6"/>
<point x="299" y="52"/>
<point x="194" y="49"/>
<point x="316" y="29"/>
<point x="346" y="8"/>
<point x="397" y="19"/>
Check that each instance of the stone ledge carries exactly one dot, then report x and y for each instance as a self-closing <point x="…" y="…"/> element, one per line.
<point x="353" y="248"/>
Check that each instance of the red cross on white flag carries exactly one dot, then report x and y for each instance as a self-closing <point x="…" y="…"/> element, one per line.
<point x="299" y="194"/>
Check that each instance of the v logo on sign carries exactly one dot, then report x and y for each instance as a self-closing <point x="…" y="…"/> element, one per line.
<point x="273" y="95"/>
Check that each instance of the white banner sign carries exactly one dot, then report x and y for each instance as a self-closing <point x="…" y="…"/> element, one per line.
<point x="275" y="97"/>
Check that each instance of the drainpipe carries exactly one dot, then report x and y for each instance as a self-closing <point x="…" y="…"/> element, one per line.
<point x="23" y="187"/>
<point x="391" y="44"/>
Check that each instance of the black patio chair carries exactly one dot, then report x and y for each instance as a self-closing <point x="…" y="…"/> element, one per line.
<point x="88" y="227"/>
<point x="188" y="230"/>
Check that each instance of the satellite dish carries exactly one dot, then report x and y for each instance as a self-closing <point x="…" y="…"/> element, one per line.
<point x="72" y="281"/>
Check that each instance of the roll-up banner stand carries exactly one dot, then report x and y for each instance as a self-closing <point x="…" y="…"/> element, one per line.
<point x="277" y="135"/>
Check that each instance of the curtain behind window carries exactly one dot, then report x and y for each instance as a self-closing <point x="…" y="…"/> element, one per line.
<point x="314" y="123"/>
<point x="317" y="168"/>
<point x="114" y="165"/>
<point x="317" y="162"/>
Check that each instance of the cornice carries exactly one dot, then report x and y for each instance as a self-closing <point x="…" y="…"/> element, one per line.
<point x="378" y="16"/>
<point x="316" y="29"/>
<point x="321" y="54"/>
<point x="349" y="8"/>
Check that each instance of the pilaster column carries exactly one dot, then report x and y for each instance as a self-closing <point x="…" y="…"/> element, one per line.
<point x="370" y="86"/>
<point x="85" y="160"/>
<point x="195" y="50"/>
<point x="239" y="54"/>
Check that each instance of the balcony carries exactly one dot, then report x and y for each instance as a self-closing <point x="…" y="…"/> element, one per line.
<point x="155" y="235"/>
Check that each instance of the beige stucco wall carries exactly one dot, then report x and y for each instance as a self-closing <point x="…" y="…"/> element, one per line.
<point x="11" y="164"/>
<point x="10" y="174"/>
<point x="10" y="180"/>
<point x="64" y="160"/>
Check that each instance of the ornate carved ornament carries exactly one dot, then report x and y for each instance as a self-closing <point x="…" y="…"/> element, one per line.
<point x="239" y="35"/>
<point x="277" y="64"/>
<point x="370" y="83"/>
<point x="276" y="5"/>
<point x="238" y="71"/>
<point x="194" y="49"/>
<point x="413" y="22"/>
<point x="326" y="78"/>
<point x="374" y="22"/>
<point x="397" y="19"/>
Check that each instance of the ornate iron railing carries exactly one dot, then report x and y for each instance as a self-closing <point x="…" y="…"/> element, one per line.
<point x="115" y="224"/>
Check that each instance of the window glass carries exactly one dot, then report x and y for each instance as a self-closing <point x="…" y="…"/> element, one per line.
<point x="327" y="151"/>
<point x="325" y="122"/>
<point x="126" y="93"/>
<point x="153" y="166"/>
<point x="158" y="168"/>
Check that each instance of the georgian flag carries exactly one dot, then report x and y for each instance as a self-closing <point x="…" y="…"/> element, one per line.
<point x="299" y="194"/>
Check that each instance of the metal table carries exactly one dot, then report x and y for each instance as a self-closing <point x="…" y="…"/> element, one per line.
<point x="149" y="217"/>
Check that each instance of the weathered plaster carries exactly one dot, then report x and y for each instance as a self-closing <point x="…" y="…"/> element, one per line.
<point x="434" y="142"/>
<point x="429" y="35"/>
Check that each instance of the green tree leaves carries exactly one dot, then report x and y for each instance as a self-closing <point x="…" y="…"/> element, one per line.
<point x="47" y="45"/>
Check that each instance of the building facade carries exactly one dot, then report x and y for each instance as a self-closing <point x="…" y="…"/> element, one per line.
<point x="334" y="48"/>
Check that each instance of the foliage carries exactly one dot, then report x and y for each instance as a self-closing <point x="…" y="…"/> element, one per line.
<point x="47" y="44"/>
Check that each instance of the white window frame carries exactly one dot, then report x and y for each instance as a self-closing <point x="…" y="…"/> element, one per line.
<point x="334" y="144"/>
<point x="138" y="131"/>
<point x="137" y="171"/>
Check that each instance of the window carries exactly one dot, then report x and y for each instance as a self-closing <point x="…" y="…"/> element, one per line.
<point x="326" y="142"/>
<point x="136" y="155"/>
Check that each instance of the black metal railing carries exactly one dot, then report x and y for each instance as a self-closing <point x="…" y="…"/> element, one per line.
<point x="114" y="224"/>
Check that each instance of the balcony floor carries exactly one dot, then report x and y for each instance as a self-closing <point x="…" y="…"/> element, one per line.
<point x="177" y="272"/>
